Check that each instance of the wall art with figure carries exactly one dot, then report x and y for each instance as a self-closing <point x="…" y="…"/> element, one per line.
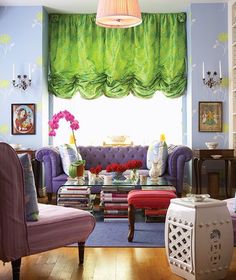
<point x="210" y="116"/>
<point x="23" y="119"/>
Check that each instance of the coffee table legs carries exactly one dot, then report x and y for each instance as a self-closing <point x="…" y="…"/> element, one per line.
<point x="131" y="217"/>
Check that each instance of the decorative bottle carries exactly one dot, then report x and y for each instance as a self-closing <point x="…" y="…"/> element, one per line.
<point x="154" y="171"/>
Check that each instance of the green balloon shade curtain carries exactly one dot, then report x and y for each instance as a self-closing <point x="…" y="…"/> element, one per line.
<point x="97" y="61"/>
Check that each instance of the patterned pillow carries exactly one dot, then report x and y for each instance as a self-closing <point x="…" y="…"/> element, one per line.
<point x="159" y="152"/>
<point x="68" y="155"/>
<point x="31" y="204"/>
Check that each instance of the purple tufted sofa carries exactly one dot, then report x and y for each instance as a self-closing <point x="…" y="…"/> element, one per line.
<point x="94" y="155"/>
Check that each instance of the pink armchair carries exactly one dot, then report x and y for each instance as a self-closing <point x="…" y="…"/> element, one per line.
<point x="57" y="226"/>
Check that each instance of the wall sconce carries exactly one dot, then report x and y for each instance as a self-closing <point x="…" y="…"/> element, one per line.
<point x="212" y="79"/>
<point x="23" y="82"/>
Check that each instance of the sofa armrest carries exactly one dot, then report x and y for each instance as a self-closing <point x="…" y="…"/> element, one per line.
<point x="52" y="164"/>
<point x="178" y="156"/>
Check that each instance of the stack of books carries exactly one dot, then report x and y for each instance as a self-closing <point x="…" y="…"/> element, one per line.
<point x="114" y="202"/>
<point x="75" y="196"/>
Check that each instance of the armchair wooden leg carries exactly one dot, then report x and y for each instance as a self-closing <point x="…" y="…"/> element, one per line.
<point x="131" y="217"/>
<point x="81" y="252"/>
<point x="16" y="269"/>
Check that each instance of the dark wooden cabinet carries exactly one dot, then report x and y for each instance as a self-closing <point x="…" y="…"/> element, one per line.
<point x="200" y="155"/>
<point x="207" y="154"/>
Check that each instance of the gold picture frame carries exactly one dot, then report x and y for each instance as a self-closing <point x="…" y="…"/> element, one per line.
<point x="23" y="120"/>
<point x="210" y="116"/>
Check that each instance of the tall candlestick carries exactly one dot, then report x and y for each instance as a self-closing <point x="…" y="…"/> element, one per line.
<point x="203" y="70"/>
<point x="13" y="71"/>
<point x="29" y="73"/>
<point x="220" y="69"/>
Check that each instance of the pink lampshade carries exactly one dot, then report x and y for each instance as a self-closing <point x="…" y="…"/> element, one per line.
<point x="118" y="13"/>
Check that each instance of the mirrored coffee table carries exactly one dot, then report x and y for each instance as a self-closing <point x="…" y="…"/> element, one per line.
<point x="113" y="197"/>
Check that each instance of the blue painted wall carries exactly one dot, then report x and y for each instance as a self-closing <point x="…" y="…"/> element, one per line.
<point x="22" y="42"/>
<point x="209" y="43"/>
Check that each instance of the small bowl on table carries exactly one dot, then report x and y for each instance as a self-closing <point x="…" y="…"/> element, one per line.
<point x="212" y="145"/>
<point x="216" y="156"/>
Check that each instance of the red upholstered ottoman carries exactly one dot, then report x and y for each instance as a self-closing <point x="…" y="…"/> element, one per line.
<point x="146" y="199"/>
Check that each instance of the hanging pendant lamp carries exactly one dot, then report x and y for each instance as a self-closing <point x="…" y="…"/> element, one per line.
<point x="118" y="13"/>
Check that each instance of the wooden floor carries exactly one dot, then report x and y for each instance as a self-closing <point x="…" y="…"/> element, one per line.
<point x="100" y="264"/>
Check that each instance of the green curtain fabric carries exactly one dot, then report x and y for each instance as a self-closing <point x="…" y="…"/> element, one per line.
<point x="95" y="60"/>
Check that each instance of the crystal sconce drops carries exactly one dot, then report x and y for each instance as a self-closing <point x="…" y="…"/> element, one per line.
<point x="23" y="81"/>
<point x="212" y="80"/>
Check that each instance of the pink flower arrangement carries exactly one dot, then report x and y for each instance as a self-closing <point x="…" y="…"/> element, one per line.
<point x="134" y="164"/>
<point x="117" y="167"/>
<point x="96" y="170"/>
<point x="54" y="123"/>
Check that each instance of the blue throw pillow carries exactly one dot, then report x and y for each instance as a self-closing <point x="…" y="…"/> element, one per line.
<point x="159" y="152"/>
<point x="31" y="203"/>
<point x="68" y="155"/>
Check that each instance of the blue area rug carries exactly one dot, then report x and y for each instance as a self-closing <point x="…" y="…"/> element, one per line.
<point x="114" y="234"/>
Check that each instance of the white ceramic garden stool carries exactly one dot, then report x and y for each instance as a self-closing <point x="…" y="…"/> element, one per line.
<point x="199" y="238"/>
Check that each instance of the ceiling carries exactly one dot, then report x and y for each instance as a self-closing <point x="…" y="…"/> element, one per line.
<point x="90" y="6"/>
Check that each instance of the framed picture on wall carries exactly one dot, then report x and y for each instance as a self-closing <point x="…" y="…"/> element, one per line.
<point x="23" y="119"/>
<point x="210" y="116"/>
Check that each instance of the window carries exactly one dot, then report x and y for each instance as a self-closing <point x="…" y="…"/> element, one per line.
<point x="143" y="120"/>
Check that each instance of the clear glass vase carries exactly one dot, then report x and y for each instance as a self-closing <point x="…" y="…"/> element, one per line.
<point x="94" y="178"/>
<point x="118" y="176"/>
<point x="134" y="176"/>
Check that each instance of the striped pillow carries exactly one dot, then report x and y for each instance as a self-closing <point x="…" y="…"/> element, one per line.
<point x="31" y="203"/>
<point x="68" y="155"/>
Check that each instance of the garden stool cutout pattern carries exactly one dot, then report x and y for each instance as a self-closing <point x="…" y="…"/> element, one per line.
<point x="199" y="238"/>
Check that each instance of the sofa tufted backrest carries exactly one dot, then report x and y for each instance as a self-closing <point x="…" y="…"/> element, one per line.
<point x="95" y="155"/>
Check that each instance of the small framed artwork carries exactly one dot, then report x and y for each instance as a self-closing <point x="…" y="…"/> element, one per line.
<point x="23" y="119"/>
<point x="210" y="116"/>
